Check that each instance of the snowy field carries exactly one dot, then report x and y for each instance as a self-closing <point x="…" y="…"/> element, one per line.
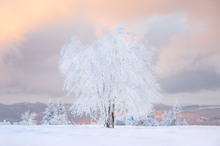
<point x="99" y="136"/>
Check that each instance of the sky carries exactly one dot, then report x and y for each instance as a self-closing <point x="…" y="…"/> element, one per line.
<point x="184" y="36"/>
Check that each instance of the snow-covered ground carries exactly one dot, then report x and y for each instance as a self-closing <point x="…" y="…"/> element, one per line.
<point x="99" y="136"/>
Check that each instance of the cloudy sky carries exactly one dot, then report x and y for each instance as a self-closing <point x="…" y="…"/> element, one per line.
<point x="183" y="35"/>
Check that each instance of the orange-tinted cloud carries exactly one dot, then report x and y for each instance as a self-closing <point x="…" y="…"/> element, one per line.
<point x="20" y="16"/>
<point x="182" y="48"/>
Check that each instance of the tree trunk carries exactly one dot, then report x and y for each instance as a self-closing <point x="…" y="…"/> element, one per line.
<point x="110" y="119"/>
<point x="113" y="116"/>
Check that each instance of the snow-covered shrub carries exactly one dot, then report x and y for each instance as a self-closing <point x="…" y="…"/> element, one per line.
<point x="173" y="117"/>
<point x="129" y="120"/>
<point x="120" y="121"/>
<point x="149" y="120"/>
<point x="55" y="114"/>
<point x="5" y="122"/>
<point x="28" y="118"/>
<point x="125" y="120"/>
<point x="15" y="123"/>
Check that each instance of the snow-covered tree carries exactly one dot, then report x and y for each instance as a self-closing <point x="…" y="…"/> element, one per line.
<point x="169" y="118"/>
<point x="151" y="120"/>
<point x="60" y="117"/>
<point x="28" y="118"/>
<point x="55" y="113"/>
<point x="164" y="120"/>
<point x="113" y="75"/>
<point x="49" y="114"/>
<point x="173" y="117"/>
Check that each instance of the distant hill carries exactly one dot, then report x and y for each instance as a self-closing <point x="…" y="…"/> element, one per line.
<point x="194" y="114"/>
<point x="13" y="112"/>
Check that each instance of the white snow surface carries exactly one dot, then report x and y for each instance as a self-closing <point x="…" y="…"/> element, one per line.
<point x="46" y="135"/>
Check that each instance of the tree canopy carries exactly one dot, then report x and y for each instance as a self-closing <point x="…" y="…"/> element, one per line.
<point x="114" y="74"/>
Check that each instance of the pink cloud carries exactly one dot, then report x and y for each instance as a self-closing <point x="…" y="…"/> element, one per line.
<point x="186" y="48"/>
